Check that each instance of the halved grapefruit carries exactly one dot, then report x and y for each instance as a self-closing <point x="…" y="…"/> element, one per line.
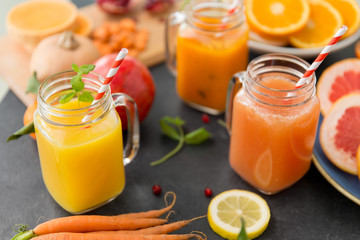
<point x="340" y="133"/>
<point x="338" y="80"/>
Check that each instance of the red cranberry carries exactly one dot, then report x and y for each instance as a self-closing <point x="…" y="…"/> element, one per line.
<point x="208" y="192"/>
<point x="205" y="118"/>
<point x="156" y="189"/>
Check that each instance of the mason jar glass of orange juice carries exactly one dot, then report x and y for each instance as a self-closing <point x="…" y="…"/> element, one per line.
<point x="205" y="47"/>
<point x="272" y="123"/>
<point x="82" y="163"/>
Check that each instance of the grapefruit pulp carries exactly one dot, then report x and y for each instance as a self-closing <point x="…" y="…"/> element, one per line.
<point x="338" y="80"/>
<point x="340" y="133"/>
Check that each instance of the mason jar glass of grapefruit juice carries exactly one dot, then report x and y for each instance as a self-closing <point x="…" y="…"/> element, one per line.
<point x="205" y="47"/>
<point x="82" y="163"/>
<point x="272" y="123"/>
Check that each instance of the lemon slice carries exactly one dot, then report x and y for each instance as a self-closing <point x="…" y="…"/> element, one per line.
<point x="226" y="209"/>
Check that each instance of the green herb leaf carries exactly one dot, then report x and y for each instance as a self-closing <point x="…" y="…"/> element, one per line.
<point x="75" y="68"/>
<point x="172" y="127"/>
<point x="67" y="97"/>
<point x="33" y="84"/>
<point x="169" y="130"/>
<point x="86" y="97"/>
<point x="197" y="136"/>
<point x="22" y="131"/>
<point x="176" y="121"/>
<point x="172" y="152"/>
<point x="85" y="69"/>
<point x="77" y="83"/>
<point x="242" y="235"/>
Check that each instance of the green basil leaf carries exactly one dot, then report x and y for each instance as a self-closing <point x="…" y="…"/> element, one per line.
<point x="77" y="83"/>
<point x="169" y="130"/>
<point x="242" y="235"/>
<point x="197" y="136"/>
<point x="176" y="121"/>
<point x="33" y="84"/>
<point x="75" y="67"/>
<point x="22" y="131"/>
<point x="86" y="97"/>
<point x="67" y="97"/>
<point x="85" y="69"/>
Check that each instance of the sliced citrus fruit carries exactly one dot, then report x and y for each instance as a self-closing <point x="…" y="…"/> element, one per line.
<point x="226" y="210"/>
<point x="322" y="25"/>
<point x="337" y="80"/>
<point x="340" y="133"/>
<point x="350" y="12"/>
<point x="277" y="17"/>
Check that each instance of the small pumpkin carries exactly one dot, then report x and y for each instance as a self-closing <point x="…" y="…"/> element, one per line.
<point x="58" y="52"/>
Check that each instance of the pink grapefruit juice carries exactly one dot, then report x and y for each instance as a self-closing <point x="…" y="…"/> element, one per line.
<point x="271" y="147"/>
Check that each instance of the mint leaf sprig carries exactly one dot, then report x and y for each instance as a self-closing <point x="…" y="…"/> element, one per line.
<point x="78" y="85"/>
<point x="172" y="128"/>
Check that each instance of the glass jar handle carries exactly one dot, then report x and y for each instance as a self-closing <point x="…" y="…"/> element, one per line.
<point x="235" y="85"/>
<point x="133" y="125"/>
<point x="171" y="26"/>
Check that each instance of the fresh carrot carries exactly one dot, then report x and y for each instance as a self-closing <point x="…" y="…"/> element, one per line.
<point x="90" y="223"/>
<point x="161" y="229"/>
<point x="154" y="213"/>
<point x="84" y="236"/>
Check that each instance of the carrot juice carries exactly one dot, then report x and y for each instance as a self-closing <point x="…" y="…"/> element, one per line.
<point x="273" y="131"/>
<point x="82" y="167"/>
<point x="210" y="48"/>
<point x="205" y="66"/>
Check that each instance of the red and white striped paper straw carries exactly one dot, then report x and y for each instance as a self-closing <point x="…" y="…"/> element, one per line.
<point x="321" y="56"/>
<point x="106" y="84"/>
<point x="235" y="4"/>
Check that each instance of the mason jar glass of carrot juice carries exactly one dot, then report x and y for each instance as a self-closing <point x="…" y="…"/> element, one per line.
<point x="82" y="163"/>
<point x="205" y="46"/>
<point x="272" y="123"/>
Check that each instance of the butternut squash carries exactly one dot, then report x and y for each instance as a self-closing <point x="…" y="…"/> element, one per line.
<point x="56" y="54"/>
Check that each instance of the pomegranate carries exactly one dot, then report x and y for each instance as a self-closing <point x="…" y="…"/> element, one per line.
<point x="117" y="6"/>
<point x="132" y="78"/>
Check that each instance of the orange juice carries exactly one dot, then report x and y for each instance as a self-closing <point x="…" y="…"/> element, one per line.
<point x="81" y="167"/>
<point x="211" y="47"/>
<point x="273" y="123"/>
<point x="80" y="144"/>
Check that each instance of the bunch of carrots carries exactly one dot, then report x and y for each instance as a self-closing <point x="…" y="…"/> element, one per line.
<point x="130" y="226"/>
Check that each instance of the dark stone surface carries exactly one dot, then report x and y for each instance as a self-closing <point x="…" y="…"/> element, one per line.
<point x="311" y="209"/>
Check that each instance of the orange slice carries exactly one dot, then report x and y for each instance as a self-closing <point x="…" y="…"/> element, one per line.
<point x="340" y="133"/>
<point x="339" y="79"/>
<point x="350" y="12"/>
<point x="323" y="23"/>
<point x="276" y="17"/>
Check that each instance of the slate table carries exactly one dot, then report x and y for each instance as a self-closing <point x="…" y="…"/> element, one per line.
<point x="310" y="209"/>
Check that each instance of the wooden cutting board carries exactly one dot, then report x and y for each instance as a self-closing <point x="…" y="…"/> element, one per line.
<point x="14" y="60"/>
